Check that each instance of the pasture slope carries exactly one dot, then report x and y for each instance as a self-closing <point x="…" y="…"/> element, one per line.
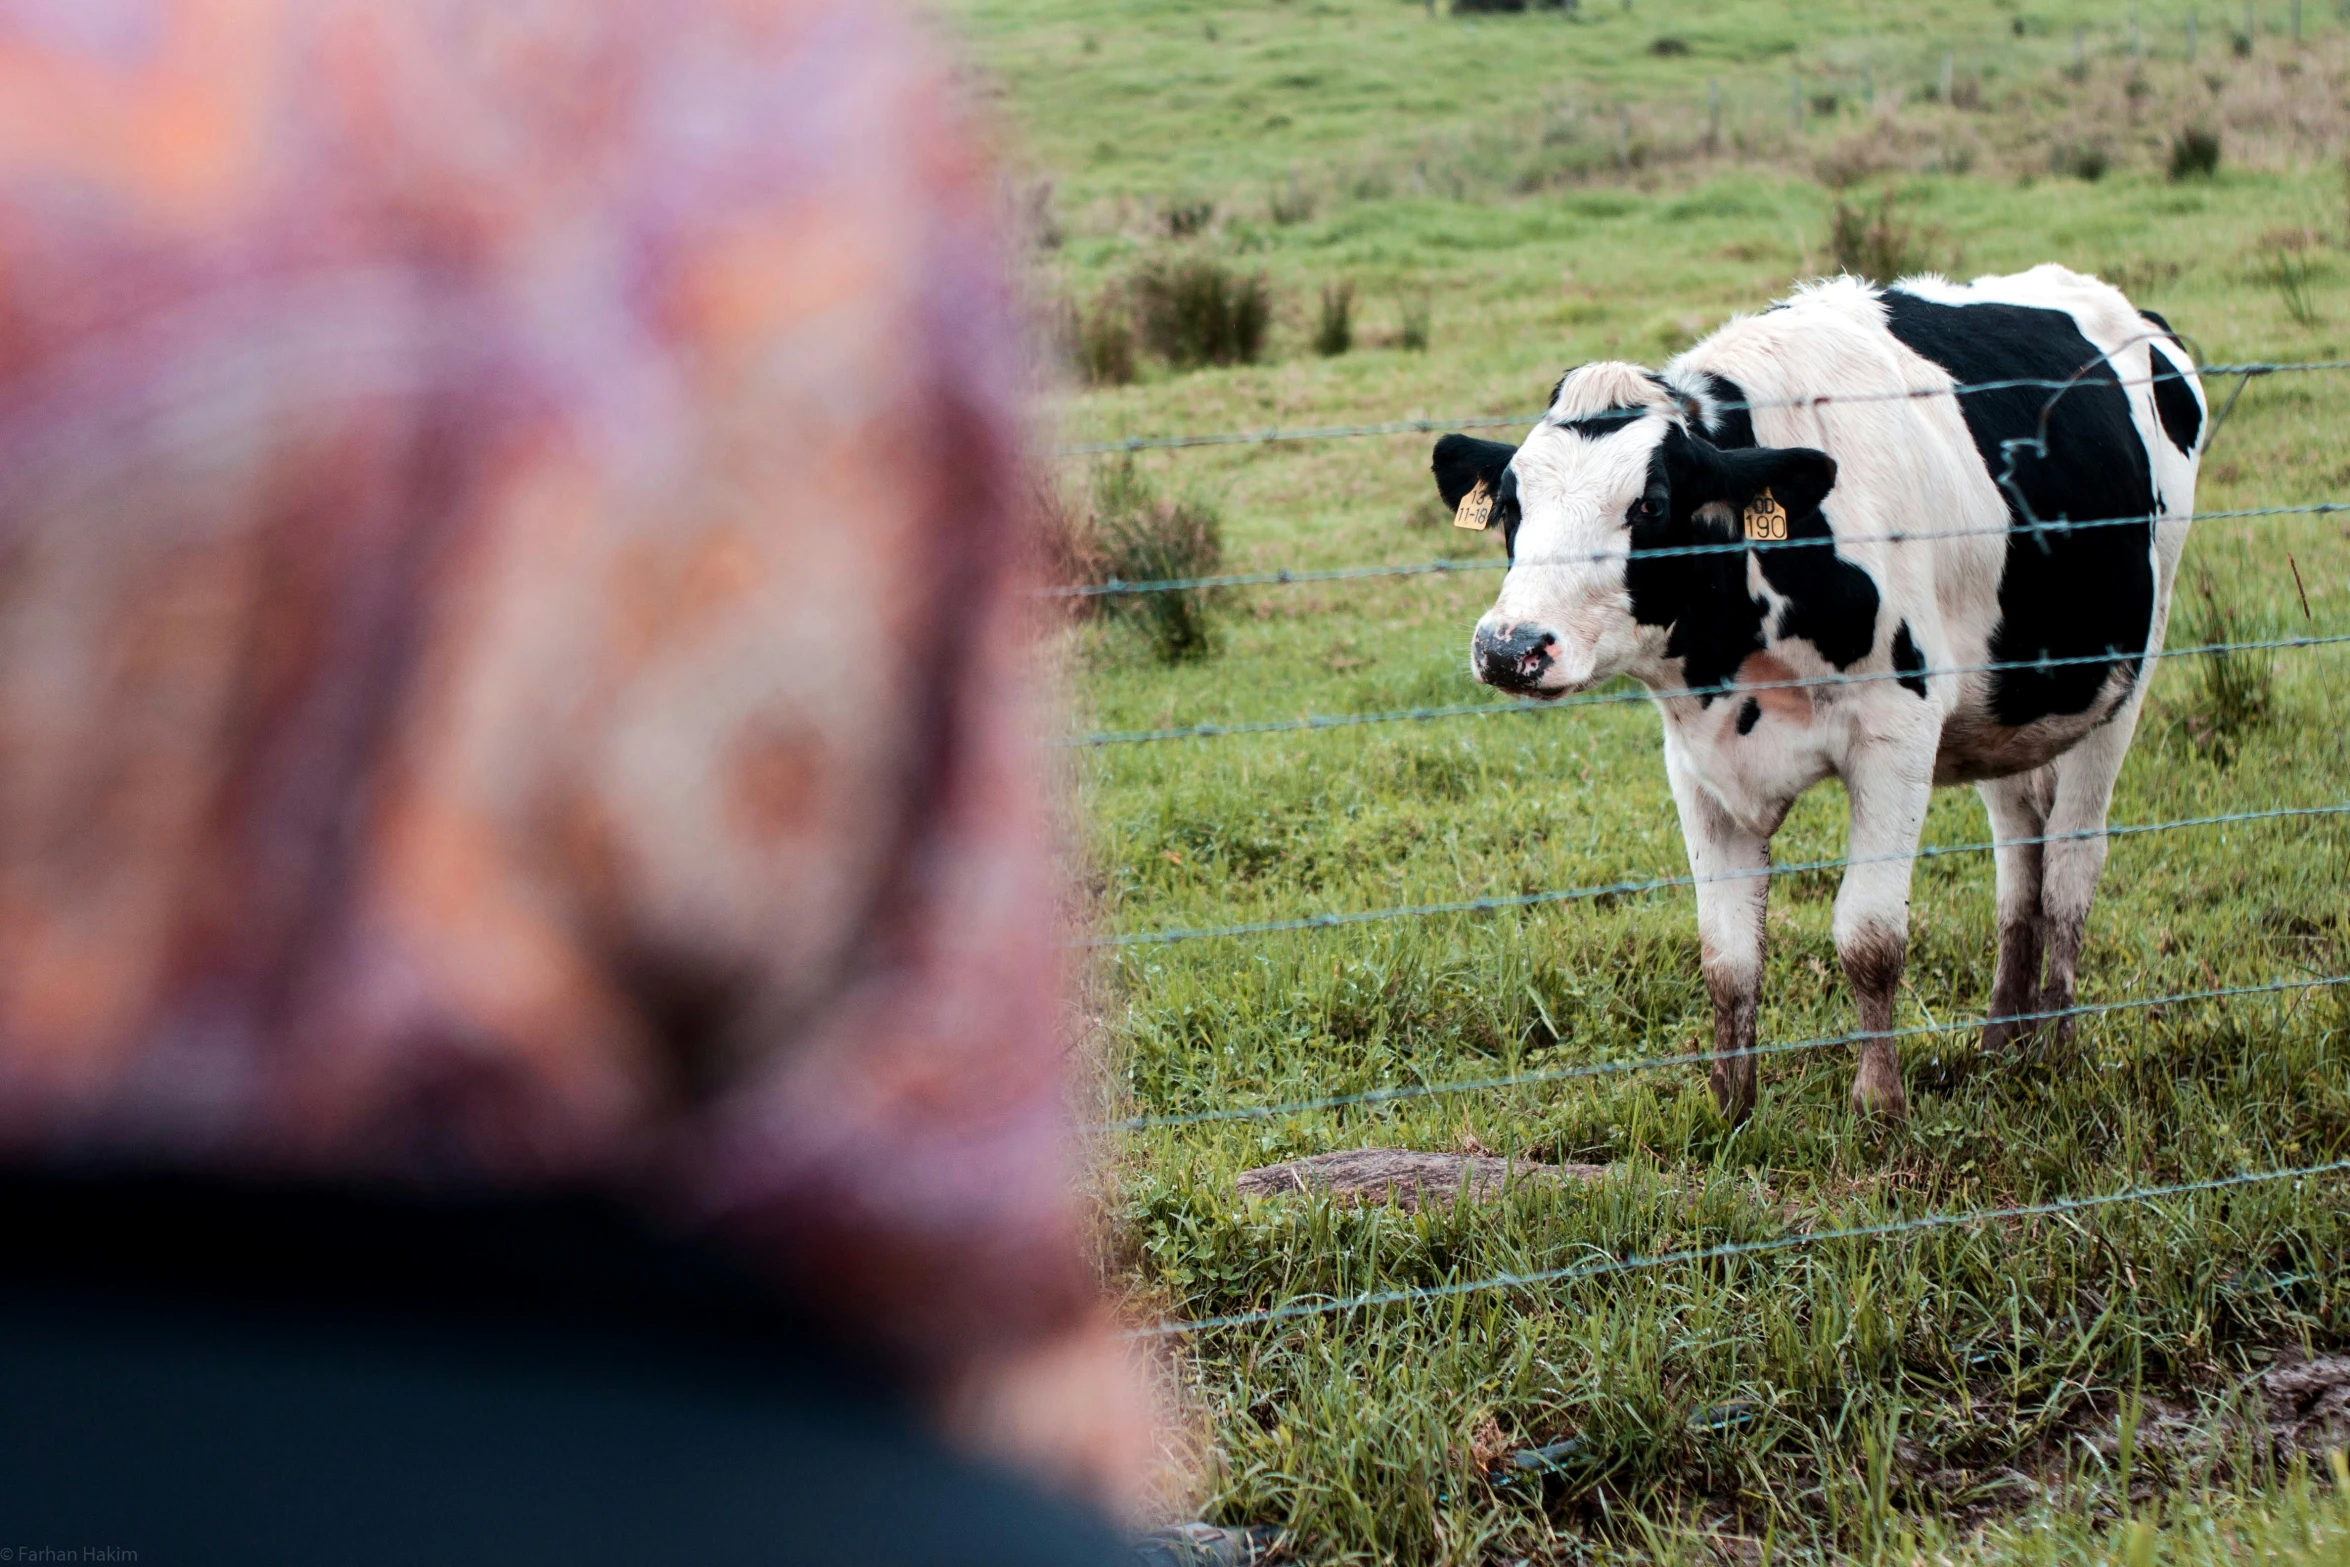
<point x="2080" y="1386"/>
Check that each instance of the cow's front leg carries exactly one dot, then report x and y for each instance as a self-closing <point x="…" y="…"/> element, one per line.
<point x="1731" y="865"/>
<point x="1890" y="785"/>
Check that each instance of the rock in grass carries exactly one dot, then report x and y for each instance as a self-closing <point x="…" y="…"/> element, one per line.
<point x="1402" y="1176"/>
<point x="1206" y="1545"/>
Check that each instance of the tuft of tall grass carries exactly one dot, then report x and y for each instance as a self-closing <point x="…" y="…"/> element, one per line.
<point x="1334" y="331"/>
<point x="2080" y="160"/>
<point x="1878" y="246"/>
<point x="1290" y="204"/>
<point x="2289" y="264"/>
<point x="1198" y="311"/>
<point x="1136" y="533"/>
<point x="2194" y="153"/>
<point x="1062" y="537"/>
<point x="2233" y="693"/>
<point x="1101" y="340"/>
<point x="1186" y="219"/>
<point x="1418" y="313"/>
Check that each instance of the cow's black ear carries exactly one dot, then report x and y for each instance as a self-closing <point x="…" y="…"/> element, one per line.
<point x="1797" y="477"/>
<point x="1462" y="460"/>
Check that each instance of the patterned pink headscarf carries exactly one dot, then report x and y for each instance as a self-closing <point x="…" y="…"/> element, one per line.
<point x="508" y="664"/>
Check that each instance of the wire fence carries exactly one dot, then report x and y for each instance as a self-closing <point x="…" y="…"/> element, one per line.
<point x="1346" y="432"/>
<point x="1293" y="1310"/>
<point x="2021" y="523"/>
<point x="2059" y="528"/>
<point x="1527" y="900"/>
<point x="1607" y="697"/>
<point x="1400" y="1092"/>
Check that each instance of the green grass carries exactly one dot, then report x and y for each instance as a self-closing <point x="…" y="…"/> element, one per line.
<point x="1883" y="1396"/>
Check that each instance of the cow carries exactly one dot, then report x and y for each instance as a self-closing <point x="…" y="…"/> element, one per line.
<point x="1893" y="598"/>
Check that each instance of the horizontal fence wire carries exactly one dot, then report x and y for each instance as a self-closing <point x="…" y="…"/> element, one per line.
<point x="1342" y="432"/>
<point x="1499" y="902"/>
<point x="1606" y="1265"/>
<point x="1602" y="698"/>
<point x="1288" y="577"/>
<point x="1567" y="1074"/>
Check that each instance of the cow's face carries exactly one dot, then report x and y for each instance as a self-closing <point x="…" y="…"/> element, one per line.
<point x="1596" y="508"/>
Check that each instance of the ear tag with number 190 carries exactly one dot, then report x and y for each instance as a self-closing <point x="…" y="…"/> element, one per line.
<point x="1765" y="519"/>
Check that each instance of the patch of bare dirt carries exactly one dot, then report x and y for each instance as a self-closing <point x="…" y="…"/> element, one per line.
<point x="2308" y="1401"/>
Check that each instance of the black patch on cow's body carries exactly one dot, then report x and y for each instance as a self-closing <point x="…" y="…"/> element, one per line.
<point x="1732" y="426"/>
<point x="1749" y="715"/>
<point x="1716" y="620"/>
<point x="1831" y="603"/>
<point x="1909" y="660"/>
<point x="2182" y="416"/>
<point x="1605" y="422"/>
<point x="2160" y="323"/>
<point x="2062" y="595"/>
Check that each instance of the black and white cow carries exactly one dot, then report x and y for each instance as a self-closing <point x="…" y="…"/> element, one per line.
<point x="1828" y="421"/>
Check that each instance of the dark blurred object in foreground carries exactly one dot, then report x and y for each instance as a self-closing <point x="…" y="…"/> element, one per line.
<point x="215" y="1371"/>
<point x="511" y="746"/>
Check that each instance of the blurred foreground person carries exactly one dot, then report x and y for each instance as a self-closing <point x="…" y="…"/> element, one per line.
<point x="527" y="981"/>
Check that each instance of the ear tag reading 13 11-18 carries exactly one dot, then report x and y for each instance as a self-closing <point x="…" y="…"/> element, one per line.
<point x="1766" y="520"/>
<point x="1476" y="508"/>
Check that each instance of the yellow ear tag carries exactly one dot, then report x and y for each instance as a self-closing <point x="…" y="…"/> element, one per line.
<point x="1766" y="520"/>
<point x="1476" y="508"/>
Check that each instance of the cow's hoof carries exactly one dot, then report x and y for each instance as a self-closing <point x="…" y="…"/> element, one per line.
<point x="1880" y="1095"/>
<point x="1733" y="1087"/>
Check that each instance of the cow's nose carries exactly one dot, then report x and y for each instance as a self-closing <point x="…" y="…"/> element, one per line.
<point x="1512" y="657"/>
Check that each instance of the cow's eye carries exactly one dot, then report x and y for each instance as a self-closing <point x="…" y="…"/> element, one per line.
<point x="1646" y="509"/>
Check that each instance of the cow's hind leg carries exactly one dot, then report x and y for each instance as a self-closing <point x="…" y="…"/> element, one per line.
<point x="1890" y="786"/>
<point x="2075" y="854"/>
<point x="2018" y="808"/>
<point x="1731" y="865"/>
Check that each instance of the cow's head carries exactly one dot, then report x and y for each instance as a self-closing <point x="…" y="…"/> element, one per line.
<point x="1593" y="505"/>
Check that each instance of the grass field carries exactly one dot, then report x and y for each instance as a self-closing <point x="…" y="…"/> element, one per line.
<point x="2080" y="1387"/>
